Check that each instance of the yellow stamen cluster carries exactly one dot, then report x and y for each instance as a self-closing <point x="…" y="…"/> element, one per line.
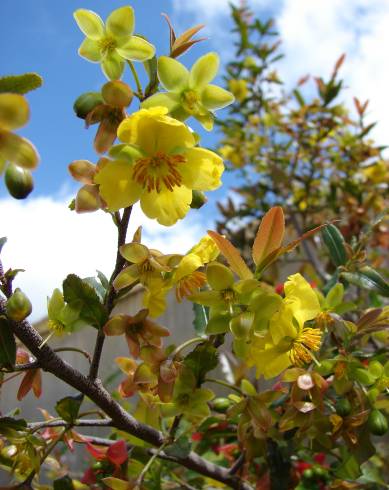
<point x="107" y="44"/>
<point x="160" y="169"/>
<point x="308" y="340"/>
<point x="189" y="284"/>
<point x="56" y="326"/>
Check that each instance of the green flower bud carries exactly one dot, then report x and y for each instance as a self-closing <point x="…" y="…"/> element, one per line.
<point x="343" y="407"/>
<point x="377" y="423"/>
<point x="221" y="405"/>
<point x="18" y="306"/>
<point x="19" y="181"/>
<point x="198" y="199"/>
<point x="85" y="103"/>
<point x="117" y="93"/>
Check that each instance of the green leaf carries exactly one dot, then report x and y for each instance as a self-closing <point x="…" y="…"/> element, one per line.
<point x="103" y="279"/>
<point x="180" y="449"/>
<point x="368" y="278"/>
<point x="200" y="320"/>
<point x="3" y="241"/>
<point x="349" y="469"/>
<point x="77" y="290"/>
<point x="7" y="344"/>
<point x="64" y="483"/>
<point x="20" y="84"/>
<point x="201" y="360"/>
<point x="335" y="243"/>
<point x="7" y="423"/>
<point x="68" y="407"/>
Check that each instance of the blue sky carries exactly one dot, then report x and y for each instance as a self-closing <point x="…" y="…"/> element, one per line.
<point x="43" y="37"/>
<point x="48" y="240"/>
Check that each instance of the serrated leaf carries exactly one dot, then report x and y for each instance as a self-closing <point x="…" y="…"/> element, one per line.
<point x="201" y="360"/>
<point x="200" y="320"/>
<point x="20" y="84"/>
<point x="68" y="407"/>
<point x="232" y="255"/>
<point x="7" y="344"/>
<point x="180" y="448"/>
<point x="368" y="278"/>
<point x="64" y="483"/>
<point x="77" y="290"/>
<point x="335" y="243"/>
<point x="270" y="234"/>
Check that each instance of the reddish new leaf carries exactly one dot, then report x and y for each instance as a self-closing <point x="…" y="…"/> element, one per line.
<point x="232" y="255"/>
<point x="118" y="453"/>
<point x="270" y="234"/>
<point x="31" y="380"/>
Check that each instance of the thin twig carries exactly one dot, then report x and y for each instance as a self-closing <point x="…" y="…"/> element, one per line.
<point x="111" y="293"/>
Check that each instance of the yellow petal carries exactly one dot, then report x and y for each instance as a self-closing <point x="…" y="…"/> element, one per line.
<point x="302" y="299"/>
<point x="188" y="264"/>
<point x="152" y="130"/>
<point x="117" y="187"/>
<point x="203" y="170"/>
<point x="121" y="22"/>
<point x="167" y="207"/>
<point x="126" y="277"/>
<point x="89" y="23"/>
<point x="134" y="252"/>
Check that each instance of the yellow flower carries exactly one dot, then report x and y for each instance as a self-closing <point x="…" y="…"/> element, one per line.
<point x="187" y="278"/>
<point x="288" y="341"/>
<point x="238" y="88"/>
<point x="160" y="167"/>
<point x="112" y="43"/>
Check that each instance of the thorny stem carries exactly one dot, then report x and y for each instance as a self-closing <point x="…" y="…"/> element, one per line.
<point x="110" y="297"/>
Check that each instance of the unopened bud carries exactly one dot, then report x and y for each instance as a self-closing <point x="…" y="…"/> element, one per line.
<point x="85" y="103"/>
<point x="117" y="93"/>
<point x="19" y="181"/>
<point x="18" y="306"/>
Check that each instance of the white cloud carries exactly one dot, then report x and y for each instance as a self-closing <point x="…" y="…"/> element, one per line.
<point x="314" y="35"/>
<point x="49" y="241"/>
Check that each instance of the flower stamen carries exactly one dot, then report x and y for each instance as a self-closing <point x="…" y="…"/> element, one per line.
<point x="159" y="170"/>
<point x="187" y="285"/>
<point x="308" y="340"/>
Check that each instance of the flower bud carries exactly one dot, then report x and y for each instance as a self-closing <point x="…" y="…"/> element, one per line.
<point x="18" y="306"/>
<point x="18" y="181"/>
<point x="198" y="199"/>
<point x="221" y="405"/>
<point x="85" y="103"/>
<point x="377" y="423"/>
<point x="117" y="93"/>
<point x="343" y="407"/>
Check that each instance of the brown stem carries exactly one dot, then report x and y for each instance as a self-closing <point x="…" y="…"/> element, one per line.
<point x="77" y="423"/>
<point x="111" y="293"/>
